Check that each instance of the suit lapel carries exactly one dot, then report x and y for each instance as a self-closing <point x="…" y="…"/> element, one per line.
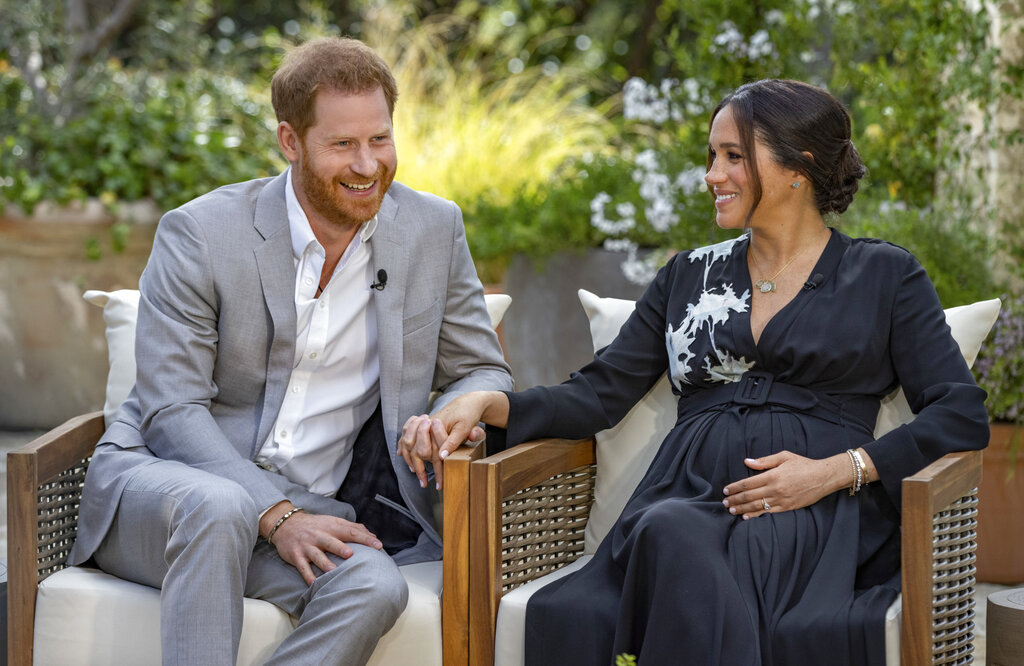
<point x="276" y="268"/>
<point x="389" y="254"/>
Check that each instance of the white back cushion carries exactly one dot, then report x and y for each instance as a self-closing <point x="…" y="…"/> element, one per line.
<point x="625" y="451"/>
<point x="120" y="310"/>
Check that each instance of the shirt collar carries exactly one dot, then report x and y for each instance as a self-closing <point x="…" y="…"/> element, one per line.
<point x="302" y="233"/>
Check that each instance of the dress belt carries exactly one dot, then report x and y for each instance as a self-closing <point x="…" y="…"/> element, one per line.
<point x="757" y="388"/>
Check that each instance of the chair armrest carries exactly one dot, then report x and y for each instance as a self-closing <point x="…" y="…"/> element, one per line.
<point x="530" y="507"/>
<point x="44" y="484"/>
<point x="455" y="559"/>
<point x="939" y="531"/>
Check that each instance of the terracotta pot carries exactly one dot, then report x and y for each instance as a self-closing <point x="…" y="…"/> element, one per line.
<point x="1001" y="508"/>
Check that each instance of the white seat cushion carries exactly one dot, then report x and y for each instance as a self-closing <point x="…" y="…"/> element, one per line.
<point x="510" y="631"/>
<point x="85" y="616"/>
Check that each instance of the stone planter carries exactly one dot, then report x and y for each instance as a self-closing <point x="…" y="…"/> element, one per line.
<point x="53" y="358"/>
<point x="1001" y="509"/>
<point x="545" y="331"/>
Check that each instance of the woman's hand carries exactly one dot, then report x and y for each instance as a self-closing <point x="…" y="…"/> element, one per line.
<point x="421" y="441"/>
<point x="788" y="482"/>
<point x="425" y="438"/>
<point x="460" y="416"/>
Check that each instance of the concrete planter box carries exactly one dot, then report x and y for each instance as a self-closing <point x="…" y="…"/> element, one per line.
<point x="53" y="358"/>
<point x="545" y="331"/>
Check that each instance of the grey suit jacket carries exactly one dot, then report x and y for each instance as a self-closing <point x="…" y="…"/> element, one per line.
<point x="216" y="336"/>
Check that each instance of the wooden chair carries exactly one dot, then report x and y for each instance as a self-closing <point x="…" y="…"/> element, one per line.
<point x="531" y="505"/>
<point x="44" y="483"/>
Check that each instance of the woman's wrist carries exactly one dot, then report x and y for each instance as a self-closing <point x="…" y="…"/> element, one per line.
<point x="495" y="409"/>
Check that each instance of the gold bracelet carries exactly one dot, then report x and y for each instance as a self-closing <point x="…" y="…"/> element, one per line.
<point x="273" y="530"/>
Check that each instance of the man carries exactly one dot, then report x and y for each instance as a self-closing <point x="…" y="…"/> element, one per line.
<point x="288" y="328"/>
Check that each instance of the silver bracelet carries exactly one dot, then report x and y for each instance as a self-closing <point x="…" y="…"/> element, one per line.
<point x="855" y="485"/>
<point x="273" y="530"/>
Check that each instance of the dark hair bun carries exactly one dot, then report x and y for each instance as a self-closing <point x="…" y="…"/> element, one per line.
<point x="838" y="192"/>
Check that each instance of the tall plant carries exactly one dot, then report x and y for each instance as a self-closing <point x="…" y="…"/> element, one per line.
<point x="465" y="135"/>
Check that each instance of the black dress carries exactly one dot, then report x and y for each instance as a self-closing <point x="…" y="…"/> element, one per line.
<point x="678" y="580"/>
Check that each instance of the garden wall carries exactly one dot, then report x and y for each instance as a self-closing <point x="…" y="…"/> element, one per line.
<point x="53" y="354"/>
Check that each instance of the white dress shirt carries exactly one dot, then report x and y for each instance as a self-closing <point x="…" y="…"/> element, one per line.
<point x="335" y="381"/>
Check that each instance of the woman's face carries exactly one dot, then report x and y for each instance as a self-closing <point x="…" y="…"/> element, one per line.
<point x="730" y="180"/>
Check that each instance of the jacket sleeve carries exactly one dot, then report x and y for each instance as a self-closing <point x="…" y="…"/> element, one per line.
<point x="469" y="357"/>
<point x="176" y="350"/>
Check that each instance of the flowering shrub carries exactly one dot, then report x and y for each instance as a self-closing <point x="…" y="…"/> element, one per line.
<point x="665" y="185"/>
<point x="1000" y="365"/>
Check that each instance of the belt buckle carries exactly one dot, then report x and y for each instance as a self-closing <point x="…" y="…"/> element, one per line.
<point x="753" y="388"/>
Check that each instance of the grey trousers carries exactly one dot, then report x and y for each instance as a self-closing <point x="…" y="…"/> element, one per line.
<point x="194" y="535"/>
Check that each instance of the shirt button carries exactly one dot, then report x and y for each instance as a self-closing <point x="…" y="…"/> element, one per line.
<point x="295" y="389"/>
<point x="284" y="433"/>
<point x="322" y="304"/>
<point x="309" y="280"/>
<point x="312" y="354"/>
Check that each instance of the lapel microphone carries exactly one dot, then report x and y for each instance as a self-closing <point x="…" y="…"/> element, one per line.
<point x="382" y="280"/>
<point x="813" y="283"/>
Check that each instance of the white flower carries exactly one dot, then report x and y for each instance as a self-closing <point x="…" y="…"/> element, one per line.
<point x="760" y="45"/>
<point x="691" y="181"/>
<point x="619" y="245"/>
<point x="647" y="160"/>
<point x="729" y="40"/>
<point x="626" y="221"/>
<point x="641" y="101"/>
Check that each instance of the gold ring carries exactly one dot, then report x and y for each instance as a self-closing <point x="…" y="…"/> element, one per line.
<point x="765" y="504"/>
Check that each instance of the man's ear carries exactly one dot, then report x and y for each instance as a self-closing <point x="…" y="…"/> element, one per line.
<point x="289" y="140"/>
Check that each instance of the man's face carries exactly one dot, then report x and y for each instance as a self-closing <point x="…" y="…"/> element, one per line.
<point x="347" y="160"/>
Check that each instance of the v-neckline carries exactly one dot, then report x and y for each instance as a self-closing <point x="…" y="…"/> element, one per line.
<point x="824" y="266"/>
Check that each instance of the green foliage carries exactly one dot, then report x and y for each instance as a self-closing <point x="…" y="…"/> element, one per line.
<point x="184" y="136"/>
<point x="625" y="660"/>
<point x="909" y="69"/>
<point x="151" y="123"/>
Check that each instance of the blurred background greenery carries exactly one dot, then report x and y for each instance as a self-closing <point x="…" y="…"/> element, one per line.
<point x="555" y="124"/>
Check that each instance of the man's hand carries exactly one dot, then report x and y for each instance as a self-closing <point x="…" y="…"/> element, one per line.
<point x="422" y="439"/>
<point x="305" y="539"/>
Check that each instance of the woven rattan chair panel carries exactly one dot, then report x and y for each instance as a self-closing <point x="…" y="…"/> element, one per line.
<point x="542" y="526"/>
<point x="954" y="534"/>
<point x="57" y="518"/>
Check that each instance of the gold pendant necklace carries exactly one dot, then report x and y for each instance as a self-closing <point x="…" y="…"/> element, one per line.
<point x="767" y="286"/>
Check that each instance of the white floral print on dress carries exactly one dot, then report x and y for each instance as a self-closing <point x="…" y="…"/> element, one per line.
<point x="714" y="307"/>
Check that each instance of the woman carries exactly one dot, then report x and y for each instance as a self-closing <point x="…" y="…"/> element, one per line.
<point x="766" y="531"/>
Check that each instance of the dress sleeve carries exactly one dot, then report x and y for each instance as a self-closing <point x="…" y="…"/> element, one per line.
<point x="949" y="405"/>
<point x="601" y="393"/>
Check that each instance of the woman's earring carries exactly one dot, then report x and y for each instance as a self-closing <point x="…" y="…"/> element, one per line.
<point x="796" y="185"/>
